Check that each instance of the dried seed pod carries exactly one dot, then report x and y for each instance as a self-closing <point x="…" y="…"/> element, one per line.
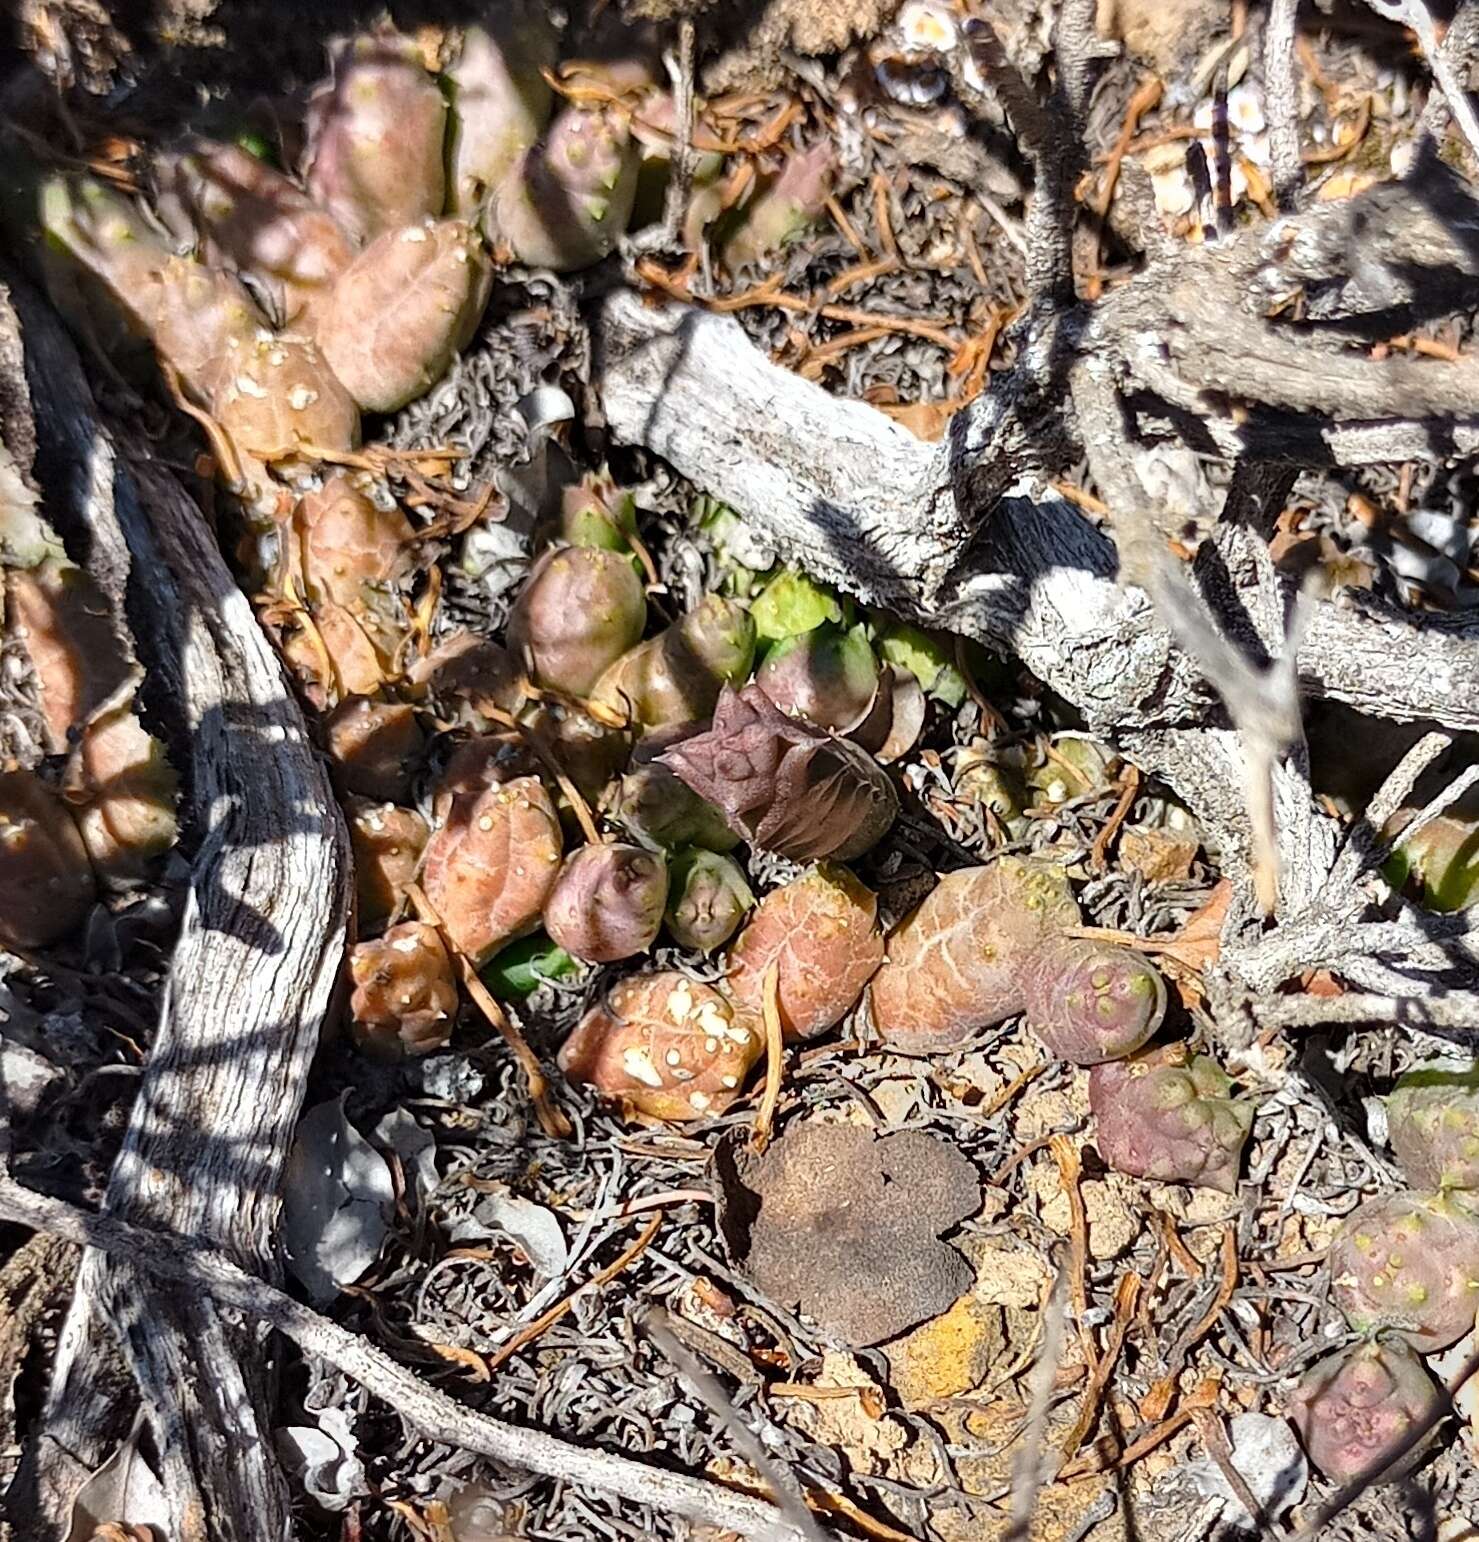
<point x="579" y="610"/>
<point x="500" y="98"/>
<point x="66" y="624"/>
<point x="376" y="130"/>
<point x="399" y="314"/>
<point x="665" y="1046"/>
<point x="707" y="899"/>
<point x="372" y="746"/>
<point x="676" y="677"/>
<point x="277" y="399"/>
<point x="404" y="1000"/>
<point x="827" y="676"/>
<point x="127" y="794"/>
<point x="46" y="880"/>
<point x="568" y="200"/>
<point x="957" y="962"/>
<point x="783" y="785"/>
<point x="1410" y="1263"/>
<point x="1091" y="1001"/>
<point x="1353" y="1409"/>
<point x="596" y="512"/>
<point x="250" y="217"/>
<point x="489" y="869"/>
<point x="1433" y="1125"/>
<point x="387" y="843"/>
<point x="786" y="209"/>
<point x="821" y="932"/>
<point x="1168" y="1114"/>
<point x="345" y="541"/>
<point x="607" y="903"/>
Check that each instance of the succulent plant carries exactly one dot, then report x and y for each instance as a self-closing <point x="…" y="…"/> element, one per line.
<point x="1168" y="1114"/>
<point x="786" y="208"/>
<point x="1073" y="766"/>
<point x="1433" y="1125"/>
<point x="523" y="966"/>
<point x="372" y="746"/>
<point x="46" y="880"/>
<point x="66" y="625"/>
<point x="676" y="677"/>
<point x="490" y="866"/>
<point x="821" y="932"/>
<point x="588" y="752"/>
<point x="1442" y="859"/>
<point x="404" y="1000"/>
<point x="981" y="778"/>
<point x="665" y="1046"/>
<point x="826" y="675"/>
<point x="1091" y="1001"/>
<point x="791" y="604"/>
<point x="1353" y="1409"/>
<point x="276" y="399"/>
<point x="707" y="899"/>
<point x="929" y="658"/>
<point x="387" y="842"/>
<point x="958" y="961"/>
<point x="596" y="512"/>
<point x="579" y="610"/>
<point x="783" y="785"/>
<point x="653" y="806"/>
<point x="400" y="313"/>
<point x="126" y="794"/>
<point x="568" y="200"/>
<point x="469" y="667"/>
<point x="249" y="217"/>
<point x="1409" y="1263"/>
<point x="500" y="98"/>
<point x="346" y="541"/>
<point x="895" y="720"/>
<point x="376" y="130"/>
<point x="607" y="904"/>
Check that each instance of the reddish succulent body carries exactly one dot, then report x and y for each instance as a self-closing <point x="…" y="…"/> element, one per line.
<point x="827" y="676"/>
<point x="959" y="961"/>
<point x="387" y="843"/>
<point x="1433" y="1125"/>
<point x="277" y="399"/>
<point x="128" y="789"/>
<point x="665" y="1046"/>
<point x="1166" y="1114"/>
<point x="373" y="746"/>
<point x="785" y="209"/>
<point x="607" y="904"/>
<point x="404" y="1000"/>
<point x="596" y="512"/>
<point x="407" y="305"/>
<point x="347" y="543"/>
<point x="579" y="610"/>
<point x="46" y="880"/>
<point x="1091" y="1001"/>
<point x="783" y="785"/>
<point x="1409" y="1263"/>
<point x="1353" y="1409"/>
<point x="489" y="869"/>
<point x="821" y="932"/>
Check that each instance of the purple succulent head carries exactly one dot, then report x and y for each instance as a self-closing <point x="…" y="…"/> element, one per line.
<point x="1092" y="1001"/>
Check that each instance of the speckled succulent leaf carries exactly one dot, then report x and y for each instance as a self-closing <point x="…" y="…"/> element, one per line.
<point x="373" y="747"/>
<point x="404" y="1000"/>
<point x="276" y="399"/>
<point x="791" y="604"/>
<point x="676" y="677"/>
<point x="46" y="880"/>
<point x="376" y="132"/>
<point x="568" y="200"/>
<point x="387" y="842"/>
<point x="783" y="785"/>
<point x="1169" y="1115"/>
<point x="821" y="932"/>
<point x="958" y="962"/>
<point x="489" y="868"/>
<point x="1091" y="1001"/>
<point x="127" y="792"/>
<point x="1409" y="1263"/>
<point x="707" y="899"/>
<point x="664" y="1046"/>
<point x="202" y="322"/>
<point x="654" y="807"/>
<point x="65" y="624"/>
<point x="579" y="610"/>
<point x="346" y="540"/>
<point x="500" y="98"/>
<point x="400" y="313"/>
<point x="1353" y="1409"/>
<point x="596" y="512"/>
<point x="786" y="208"/>
<point x="982" y="779"/>
<point x="1433" y="1125"/>
<point x="607" y="904"/>
<point x="248" y="216"/>
<point x="826" y="675"/>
